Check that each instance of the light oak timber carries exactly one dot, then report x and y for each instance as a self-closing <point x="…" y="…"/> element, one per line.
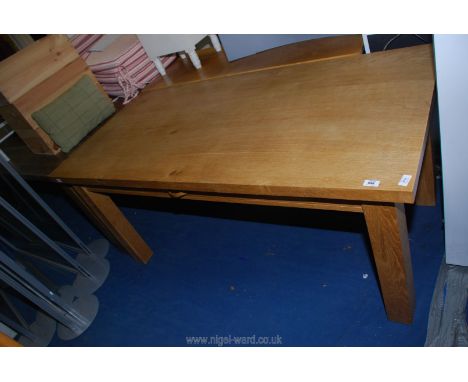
<point x="103" y="211"/>
<point x="304" y="135"/>
<point x="312" y="130"/>
<point x="390" y="246"/>
<point x="317" y="204"/>
<point x="6" y="341"/>
<point x="215" y="64"/>
<point x="426" y="193"/>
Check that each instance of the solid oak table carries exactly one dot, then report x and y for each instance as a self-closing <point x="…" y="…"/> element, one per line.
<point x="349" y="134"/>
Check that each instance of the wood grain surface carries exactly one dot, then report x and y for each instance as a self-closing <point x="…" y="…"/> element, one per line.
<point x="6" y="341"/>
<point x="307" y="203"/>
<point x="390" y="246"/>
<point x="215" y="64"/>
<point x="314" y="130"/>
<point x="426" y="194"/>
<point x="109" y="218"/>
<point x="28" y="67"/>
<point x="31" y="79"/>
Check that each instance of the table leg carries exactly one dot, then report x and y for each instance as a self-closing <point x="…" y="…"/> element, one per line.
<point x="108" y="217"/>
<point x="389" y="238"/>
<point x="6" y="341"/>
<point x="426" y="194"/>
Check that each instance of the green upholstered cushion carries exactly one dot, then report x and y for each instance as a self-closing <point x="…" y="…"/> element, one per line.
<point x="72" y="115"/>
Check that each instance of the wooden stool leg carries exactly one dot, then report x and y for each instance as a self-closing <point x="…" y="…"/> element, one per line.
<point x="102" y="210"/>
<point x="426" y="194"/>
<point x="389" y="238"/>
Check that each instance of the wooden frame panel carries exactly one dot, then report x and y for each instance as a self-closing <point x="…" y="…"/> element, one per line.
<point x="32" y="78"/>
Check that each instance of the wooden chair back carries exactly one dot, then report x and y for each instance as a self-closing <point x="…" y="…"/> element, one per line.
<point x="32" y="78"/>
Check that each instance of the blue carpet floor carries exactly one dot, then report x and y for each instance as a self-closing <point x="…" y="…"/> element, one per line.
<point x="230" y="270"/>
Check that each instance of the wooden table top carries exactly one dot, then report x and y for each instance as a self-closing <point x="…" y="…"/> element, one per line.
<point x="216" y="64"/>
<point x="308" y="130"/>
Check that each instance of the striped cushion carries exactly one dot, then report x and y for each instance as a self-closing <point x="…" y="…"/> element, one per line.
<point x="123" y="68"/>
<point x="82" y="42"/>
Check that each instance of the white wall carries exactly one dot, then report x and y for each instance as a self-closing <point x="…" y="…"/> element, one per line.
<point x="242" y="45"/>
<point x="451" y="56"/>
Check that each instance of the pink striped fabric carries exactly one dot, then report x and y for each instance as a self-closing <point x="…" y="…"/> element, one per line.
<point x="123" y="68"/>
<point x="82" y="42"/>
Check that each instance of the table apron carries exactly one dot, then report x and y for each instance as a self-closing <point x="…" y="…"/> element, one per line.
<point x="307" y="203"/>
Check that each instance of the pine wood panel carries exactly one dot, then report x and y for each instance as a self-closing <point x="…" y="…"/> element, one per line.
<point x="389" y="238"/>
<point x="309" y="130"/>
<point x="32" y="78"/>
<point x="41" y="95"/>
<point x="29" y="165"/>
<point x="27" y="68"/>
<point x="54" y="86"/>
<point x="33" y="136"/>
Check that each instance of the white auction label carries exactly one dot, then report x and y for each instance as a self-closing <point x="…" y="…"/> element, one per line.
<point x="404" y="181"/>
<point x="371" y="183"/>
